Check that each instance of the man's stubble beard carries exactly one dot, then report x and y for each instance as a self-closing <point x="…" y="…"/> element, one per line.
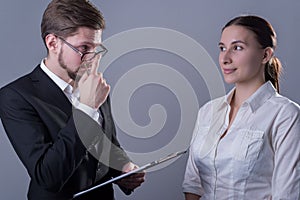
<point x="73" y="75"/>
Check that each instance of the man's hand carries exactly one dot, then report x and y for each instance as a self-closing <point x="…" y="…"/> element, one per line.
<point x="93" y="87"/>
<point x="133" y="181"/>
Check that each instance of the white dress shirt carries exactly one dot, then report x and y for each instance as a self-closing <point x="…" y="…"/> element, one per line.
<point x="257" y="159"/>
<point x="73" y="96"/>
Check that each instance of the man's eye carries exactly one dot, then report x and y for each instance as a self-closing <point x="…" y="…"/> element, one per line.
<point x="84" y="48"/>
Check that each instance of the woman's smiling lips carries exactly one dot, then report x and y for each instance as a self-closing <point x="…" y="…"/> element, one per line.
<point x="228" y="70"/>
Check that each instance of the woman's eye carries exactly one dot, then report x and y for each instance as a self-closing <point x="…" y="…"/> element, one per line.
<point x="238" y="48"/>
<point x="222" y="48"/>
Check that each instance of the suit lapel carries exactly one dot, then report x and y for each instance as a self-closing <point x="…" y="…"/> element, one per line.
<point x="48" y="91"/>
<point x="104" y="110"/>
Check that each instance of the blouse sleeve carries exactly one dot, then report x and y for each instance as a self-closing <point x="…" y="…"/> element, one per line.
<point x="286" y="144"/>
<point x="192" y="182"/>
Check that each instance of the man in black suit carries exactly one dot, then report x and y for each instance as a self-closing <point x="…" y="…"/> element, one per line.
<point x="58" y="117"/>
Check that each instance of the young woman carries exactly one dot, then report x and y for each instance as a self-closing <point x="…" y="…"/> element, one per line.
<point x="246" y="145"/>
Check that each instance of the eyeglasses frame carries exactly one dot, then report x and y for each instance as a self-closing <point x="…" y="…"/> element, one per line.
<point x="102" y="52"/>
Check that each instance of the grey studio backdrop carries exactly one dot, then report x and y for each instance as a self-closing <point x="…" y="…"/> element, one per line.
<point x="156" y="106"/>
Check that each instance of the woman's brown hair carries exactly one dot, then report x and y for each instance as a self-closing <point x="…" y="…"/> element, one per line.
<point x="266" y="37"/>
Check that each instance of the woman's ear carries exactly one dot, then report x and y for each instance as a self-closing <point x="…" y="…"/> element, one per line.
<point x="268" y="54"/>
<point x="51" y="42"/>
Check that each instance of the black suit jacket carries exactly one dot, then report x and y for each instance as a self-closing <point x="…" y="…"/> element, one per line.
<point x="51" y="139"/>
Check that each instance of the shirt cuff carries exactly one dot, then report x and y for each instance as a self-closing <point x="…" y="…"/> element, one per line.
<point x="93" y="113"/>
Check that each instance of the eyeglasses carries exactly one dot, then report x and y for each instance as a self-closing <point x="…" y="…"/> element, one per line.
<point x="89" y="55"/>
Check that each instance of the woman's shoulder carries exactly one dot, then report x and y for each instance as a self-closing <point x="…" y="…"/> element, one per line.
<point x="284" y="100"/>
<point x="286" y="104"/>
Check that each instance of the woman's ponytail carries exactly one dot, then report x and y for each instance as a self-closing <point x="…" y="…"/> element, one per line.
<point x="266" y="37"/>
<point x="273" y="71"/>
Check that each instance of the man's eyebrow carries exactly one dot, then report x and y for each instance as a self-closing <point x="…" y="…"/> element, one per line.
<point x="86" y="43"/>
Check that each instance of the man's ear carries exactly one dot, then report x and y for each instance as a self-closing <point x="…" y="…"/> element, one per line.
<point x="268" y="54"/>
<point x="51" y="42"/>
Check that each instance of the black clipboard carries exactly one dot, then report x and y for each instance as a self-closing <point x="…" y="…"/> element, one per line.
<point x="140" y="169"/>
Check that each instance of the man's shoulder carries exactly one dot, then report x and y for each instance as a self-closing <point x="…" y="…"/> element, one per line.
<point x="20" y="83"/>
<point x="21" y="86"/>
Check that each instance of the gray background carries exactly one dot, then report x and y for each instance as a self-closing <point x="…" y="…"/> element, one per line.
<point x="22" y="49"/>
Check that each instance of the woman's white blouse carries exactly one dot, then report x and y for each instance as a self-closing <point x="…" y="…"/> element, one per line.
<point x="259" y="156"/>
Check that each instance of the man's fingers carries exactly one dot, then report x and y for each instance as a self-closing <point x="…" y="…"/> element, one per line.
<point x="101" y="79"/>
<point x="83" y="78"/>
<point x="132" y="183"/>
<point x="94" y="69"/>
<point x="94" y="65"/>
<point x="103" y="84"/>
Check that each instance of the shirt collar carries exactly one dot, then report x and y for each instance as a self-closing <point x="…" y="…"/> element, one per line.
<point x="260" y="96"/>
<point x="64" y="86"/>
<point x="263" y="94"/>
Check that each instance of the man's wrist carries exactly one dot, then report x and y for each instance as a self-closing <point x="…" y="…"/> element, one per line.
<point x="93" y="113"/>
